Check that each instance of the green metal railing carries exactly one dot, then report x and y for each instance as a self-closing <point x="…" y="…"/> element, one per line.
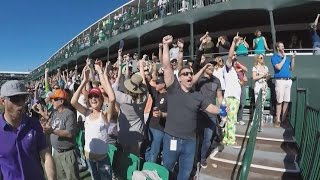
<point x="248" y="154"/>
<point x="112" y="27"/>
<point x="305" y="121"/>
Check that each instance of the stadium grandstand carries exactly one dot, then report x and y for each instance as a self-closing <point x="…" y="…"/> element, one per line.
<point x="265" y="152"/>
<point x="10" y="75"/>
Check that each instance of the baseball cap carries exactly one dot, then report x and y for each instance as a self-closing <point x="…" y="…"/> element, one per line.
<point x="96" y="91"/>
<point x="59" y="93"/>
<point x="13" y="88"/>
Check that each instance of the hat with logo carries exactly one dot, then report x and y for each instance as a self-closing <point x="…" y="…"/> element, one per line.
<point x="59" y="93"/>
<point x="13" y="88"/>
<point x="160" y="80"/>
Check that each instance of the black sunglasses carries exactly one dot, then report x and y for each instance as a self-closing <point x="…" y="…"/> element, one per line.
<point x="187" y="73"/>
<point x="17" y="99"/>
<point x="93" y="96"/>
<point x="57" y="99"/>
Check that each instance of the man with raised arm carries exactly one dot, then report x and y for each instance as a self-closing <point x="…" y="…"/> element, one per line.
<point x="179" y="142"/>
<point x="315" y="36"/>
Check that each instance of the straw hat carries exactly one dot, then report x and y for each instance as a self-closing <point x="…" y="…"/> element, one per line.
<point x="134" y="84"/>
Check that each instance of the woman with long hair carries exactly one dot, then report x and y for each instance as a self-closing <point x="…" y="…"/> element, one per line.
<point x="260" y="74"/>
<point x="96" y="123"/>
<point x="259" y="43"/>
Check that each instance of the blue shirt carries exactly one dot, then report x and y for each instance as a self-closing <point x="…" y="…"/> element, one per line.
<point x="20" y="149"/>
<point x="284" y="72"/>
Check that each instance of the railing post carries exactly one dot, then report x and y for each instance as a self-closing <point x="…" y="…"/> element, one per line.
<point x="273" y="29"/>
<point x="191" y="41"/>
<point x="108" y="53"/>
<point x="139" y="48"/>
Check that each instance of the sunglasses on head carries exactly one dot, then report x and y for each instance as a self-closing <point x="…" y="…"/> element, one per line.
<point x="17" y="99"/>
<point x="93" y="96"/>
<point x="187" y="73"/>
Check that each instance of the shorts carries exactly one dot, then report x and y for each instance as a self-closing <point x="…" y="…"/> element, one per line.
<point x="283" y="90"/>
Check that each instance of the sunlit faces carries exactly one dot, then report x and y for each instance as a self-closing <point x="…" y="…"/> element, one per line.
<point x="174" y="63"/>
<point x="57" y="102"/>
<point x="95" y="100"/>
<point x="185" y="77"/>
<point x="15" y="105"/>
<point x="280" y="47"/>
<point x="261" y="59"/>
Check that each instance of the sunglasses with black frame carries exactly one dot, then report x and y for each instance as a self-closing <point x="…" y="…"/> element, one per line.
<point x="17" y="98"/>
<point x="187" y="73"/>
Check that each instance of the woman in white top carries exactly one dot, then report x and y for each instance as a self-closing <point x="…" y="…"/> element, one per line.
<point x="96" y="123"/>
<point x="260" y="74"/>
<point x="218" y="72"/>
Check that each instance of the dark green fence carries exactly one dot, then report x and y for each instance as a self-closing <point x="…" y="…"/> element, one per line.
<point x="248" y="154"/>
<point x="305" y="121"/>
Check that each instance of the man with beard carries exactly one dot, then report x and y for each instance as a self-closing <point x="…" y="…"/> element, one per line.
<point x="22" y="138"/>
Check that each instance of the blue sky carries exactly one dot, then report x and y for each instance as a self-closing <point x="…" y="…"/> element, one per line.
<point x="32" y="30"/>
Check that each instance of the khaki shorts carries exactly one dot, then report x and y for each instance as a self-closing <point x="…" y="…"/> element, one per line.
<point x="283" y="90"/>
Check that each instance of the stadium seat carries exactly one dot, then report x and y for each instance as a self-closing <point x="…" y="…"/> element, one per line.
<point x="128" y="164"/>
<point x="111" y="152"/>
<point x="162" y="171"/>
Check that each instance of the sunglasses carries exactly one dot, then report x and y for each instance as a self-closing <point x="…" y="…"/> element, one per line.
<point x="93" y="96"/>
<point x="57" y="99"/>
<point x="187" y="74"/>
<point x="17" y="99"/>
<point x="174" y="61"/>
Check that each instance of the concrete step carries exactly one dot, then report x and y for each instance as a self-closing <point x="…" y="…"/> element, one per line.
<point x="271" y="163"/>
<point x="214" y="172"/>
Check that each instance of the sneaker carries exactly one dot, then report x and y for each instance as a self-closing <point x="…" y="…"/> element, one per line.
<point x="241" y="123"/>
<point x="277" y="124"/>
<point x="220" y="147"/>
<point x="203" y="164"/>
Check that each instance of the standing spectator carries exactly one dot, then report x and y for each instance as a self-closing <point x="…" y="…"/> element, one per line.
<point x="315" y="37"/>
<point x="218" y="72"/>
<point x="223" y="45"/>
<point x="132" y="103"/>
<point x="22" y="138"/>
<point x="174" y="51"/>
<point x="232" y="95"/>
<point x="259" y="43"/>
<point x="162" y="7"/>
<point x="241" y="72"/>
<point x="209" y="86"/>
<point x="62" y="130"/>
<point x="207" y="43"/>
<point x="260" y="74"/>
<point x="282" y="66"/>
<point x="96" y="124"/>
<point x="295" y="43"/>
<point x="179" y="141"/>
<point x="242" y="47"/>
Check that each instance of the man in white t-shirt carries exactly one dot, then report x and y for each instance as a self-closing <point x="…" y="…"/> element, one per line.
<point x="232" y="95"/>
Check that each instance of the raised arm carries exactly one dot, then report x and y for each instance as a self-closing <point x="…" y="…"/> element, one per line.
<point x="292" y="61"/>
<point x="316" y="21"/>
<point x="108" y="89"/>
<point x="160" y="52"/>
<point x="199" y="73"/>
<point x="46" y="82"/>
<point x="154" y="69"/>
<point x="204" y="36"/>
<point x="231" y="51"/>
<point x="167" y="69"/>
<point x="76" y="95"/>
<point x="119" y="67"/>
<point x="141" y="70"/>
<point x="180" y="55"/>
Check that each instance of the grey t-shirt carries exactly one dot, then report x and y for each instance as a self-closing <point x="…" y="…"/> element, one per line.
<point x="65" y="120"/>
<point x="131" y="117"/>
<point x="208" y="88"/>
<point x="182" y="111"/>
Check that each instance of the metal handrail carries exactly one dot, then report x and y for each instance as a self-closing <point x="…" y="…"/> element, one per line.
<point x="247" y="157"/>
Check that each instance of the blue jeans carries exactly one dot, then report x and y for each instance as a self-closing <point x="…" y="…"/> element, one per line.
<point x="208" y="133"/>
<point x="184" y="155"/>
<point x="100" y="170"/>
<point x="155" y="137"/>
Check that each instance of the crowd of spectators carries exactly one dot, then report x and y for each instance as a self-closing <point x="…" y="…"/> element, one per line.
<point x="156" y="113"/>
